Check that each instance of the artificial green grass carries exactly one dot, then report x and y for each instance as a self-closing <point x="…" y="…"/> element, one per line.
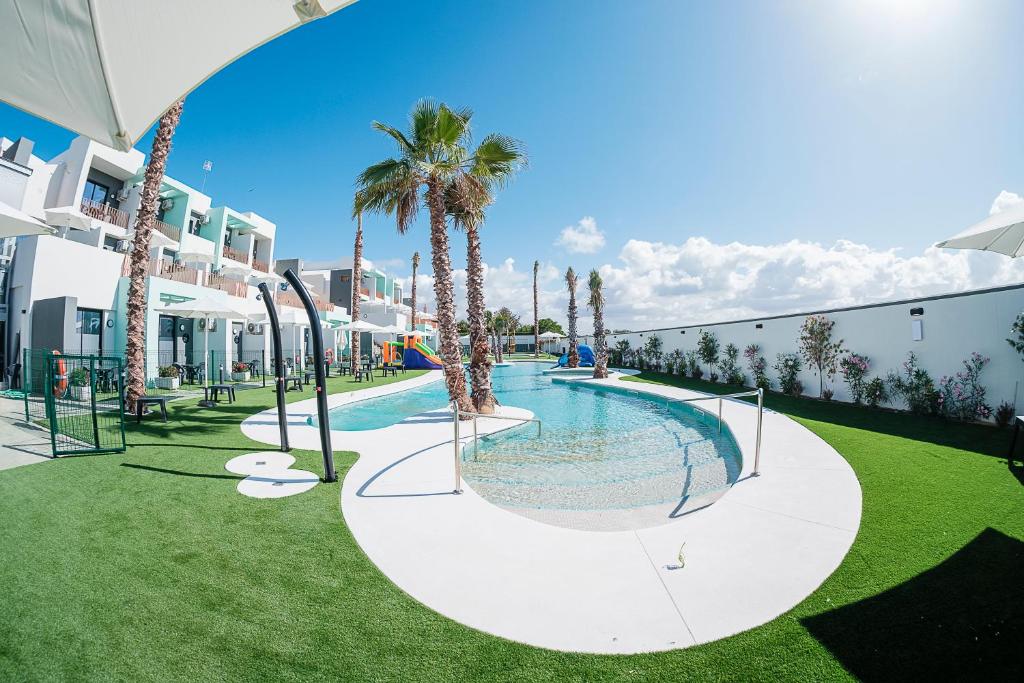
<point x="149" y="566"/>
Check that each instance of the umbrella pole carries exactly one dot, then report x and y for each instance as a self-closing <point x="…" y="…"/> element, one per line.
<point x="206" y="402"/>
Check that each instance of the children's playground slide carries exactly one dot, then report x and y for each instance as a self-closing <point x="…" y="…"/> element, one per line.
<point x="586" y="357"/>
<point x="419" y="356"/>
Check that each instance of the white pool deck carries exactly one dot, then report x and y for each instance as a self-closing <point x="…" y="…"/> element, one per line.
<point x="751" y="556"/>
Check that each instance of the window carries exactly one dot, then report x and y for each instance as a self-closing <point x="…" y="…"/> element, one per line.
<point x="110" y="243"/>
<point x="88" y="321"/>
<point x="227" y="238"/>
<point x="96" y="192"/>
<point x="195" y="223"/>
<point x="166" y="327"/>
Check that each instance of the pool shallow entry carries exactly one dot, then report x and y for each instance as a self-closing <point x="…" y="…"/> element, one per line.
<point x="607" y="458"/>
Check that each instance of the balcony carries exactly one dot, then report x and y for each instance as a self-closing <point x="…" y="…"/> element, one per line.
<point x="235" y="254"/>
<point x="380" y="295"/>
<point x="225" y="284"/>
<point x="261" y="266"/>
<point x="106" y="213"/>
<point x="167" y="229"/>
<point x="292" y="299"/>
<point x="168" y="270"/>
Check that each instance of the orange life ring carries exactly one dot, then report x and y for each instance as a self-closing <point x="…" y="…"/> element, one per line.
<point x="330" y="356"/>
<point x="60" y="376"/>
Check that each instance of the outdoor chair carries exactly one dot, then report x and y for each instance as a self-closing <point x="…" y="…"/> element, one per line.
<point x="214" y="391"/>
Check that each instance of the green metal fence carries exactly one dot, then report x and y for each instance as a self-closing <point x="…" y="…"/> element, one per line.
<point x="78" y="399"/>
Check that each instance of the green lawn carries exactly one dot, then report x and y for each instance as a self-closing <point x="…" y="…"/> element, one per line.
<point x="149" y="566"/>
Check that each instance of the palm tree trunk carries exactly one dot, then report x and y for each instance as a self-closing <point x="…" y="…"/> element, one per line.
<point x="444" y="295"/>
<point x="574" y="353"/>
<point x="600" y="345"/>
<point x="536" y="320"/>
<point x="357" y="285"/>
<point x="135" y="365"/>
<point x="479" y="363"/>
<point x="412" y="300"/>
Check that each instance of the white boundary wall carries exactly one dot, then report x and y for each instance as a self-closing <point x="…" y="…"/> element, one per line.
<point x="953" y="326"/>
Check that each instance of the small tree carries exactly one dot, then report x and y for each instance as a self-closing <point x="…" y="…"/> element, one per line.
<point x="788" y="365"/>
<point x="854" y="368"/>
<point x="707" y="350"/>
<point x="652" y="350"/>
<point x="731" y="373"/>
<point x="818" y="349"/>
<point x="915" y="386"/>
<point x="758" y="367"/>
<point x="620" y="352"/>
<point x="693" y="364"/>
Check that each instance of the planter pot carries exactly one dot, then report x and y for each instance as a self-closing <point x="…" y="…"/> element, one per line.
<point x="81" y="393"/>
<point x="240" y="376"/>
<point x="168" y="383"/>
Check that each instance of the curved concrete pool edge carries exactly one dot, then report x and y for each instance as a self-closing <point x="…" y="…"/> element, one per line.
<point x="750" y="557"/>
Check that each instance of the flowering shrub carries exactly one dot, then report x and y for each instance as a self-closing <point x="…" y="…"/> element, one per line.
<point x="731" y="372"/>
<point x="915" y="387"/>
<point x="707" y="349"/>
<point x="693" y="364"/>
<point x="818" y="349"/>
<point x="674" y="362"/>
<point x="1004" y="414"/>
<point x="854" y="369"/>
<point x="788" y="365"/>
<point x="875" y="392"/>
<point x="1017" y="330"/>
<point x="962" y="396"/>
<point x="758" y="366"/>
<point x="239" y="366"/>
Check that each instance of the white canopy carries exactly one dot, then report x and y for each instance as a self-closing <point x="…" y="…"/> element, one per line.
<point x="1002" y="232"/>
<point x="363" y="326"/>
<point x="550" y="335"/>
<point x="205" y="307"/>
<point x="14" y="222"/>
<point x="92" y="66"/>
<point x="68" y="217"/>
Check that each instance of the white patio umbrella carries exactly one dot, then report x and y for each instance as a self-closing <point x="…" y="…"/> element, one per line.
<point x="15" y="223"/>
<point x="92" y="66"/>
<point x="69" y="217"/>
<point x="1002" y="232"/>
<point x="363" y="326"/>
<point x="205" y="307"/>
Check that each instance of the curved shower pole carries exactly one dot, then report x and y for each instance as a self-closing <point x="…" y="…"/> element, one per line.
<point x="316" y="334"/>
<point x="275" y="334"/>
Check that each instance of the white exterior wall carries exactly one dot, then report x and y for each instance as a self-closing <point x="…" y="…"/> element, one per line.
<point x="954" y="327"/>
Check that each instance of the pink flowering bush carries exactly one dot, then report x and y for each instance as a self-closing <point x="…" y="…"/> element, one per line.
<point x="915" y="386"/>
<point x="758" y="367"/>
<point x="854" y="369"/>
<point x="962" y="396"/>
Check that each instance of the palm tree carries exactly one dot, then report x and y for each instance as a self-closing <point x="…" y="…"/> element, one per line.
<point x="357" y="287"/>
<point x="536" y="320"/>
<point x="432" y="156"/>
<point x="574" y="354"/>
<point x="596" y="303"/>
<point x="514" y="321"/>
<point x="415" y="268"/>
<point x="135" y="361"/>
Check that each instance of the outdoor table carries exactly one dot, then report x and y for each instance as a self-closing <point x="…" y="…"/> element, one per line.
<point x="1017" y="421"/>
<point x="385" y="369"/>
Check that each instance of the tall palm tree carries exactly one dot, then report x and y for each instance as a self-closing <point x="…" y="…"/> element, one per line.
<point x="135" y="361"/>
<point x="357" y="286"/>
<point x="596" y="303"/>
<point x="415" y="269"/>
<point x="514" y="321"/>
<point x="536" y="320"/>
<point x="430" y="157"/>
<point x="574" y="353"/>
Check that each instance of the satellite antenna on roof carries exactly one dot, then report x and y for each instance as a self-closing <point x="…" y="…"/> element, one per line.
<point x="207" y="167"/>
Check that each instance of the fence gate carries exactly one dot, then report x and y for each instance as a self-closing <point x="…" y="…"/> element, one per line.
<point x="83" y="404"/>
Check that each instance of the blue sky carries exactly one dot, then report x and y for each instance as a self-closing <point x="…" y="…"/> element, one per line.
<point x="888" y="124"/>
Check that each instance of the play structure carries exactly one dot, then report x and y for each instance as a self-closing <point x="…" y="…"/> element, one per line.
<point x="414" y="354"/>
<point x="586" y="357"/>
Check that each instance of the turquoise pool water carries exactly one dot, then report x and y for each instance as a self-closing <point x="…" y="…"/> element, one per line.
<point x="600" y="449"/>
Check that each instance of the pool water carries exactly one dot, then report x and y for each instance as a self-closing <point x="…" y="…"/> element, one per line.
<point x="600" y="449"/>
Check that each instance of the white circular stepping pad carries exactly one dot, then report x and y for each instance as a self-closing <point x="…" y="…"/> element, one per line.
<point x="253" y="463"/>
<point x="277" y="484"/>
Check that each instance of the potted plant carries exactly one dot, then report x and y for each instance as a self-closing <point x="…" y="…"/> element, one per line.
<point x="79" y="381"/>
<point x="239" y="371"/>
<point x="167" y="377"/>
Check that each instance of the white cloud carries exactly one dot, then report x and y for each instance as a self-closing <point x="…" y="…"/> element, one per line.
<point x="1004" y="201"/>
<point x="582" y="238"/>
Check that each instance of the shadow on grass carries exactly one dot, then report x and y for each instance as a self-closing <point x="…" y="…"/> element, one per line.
<point x="960" y="620"/>
<point x="181" y="473"/>
<point x="976" y="438"/>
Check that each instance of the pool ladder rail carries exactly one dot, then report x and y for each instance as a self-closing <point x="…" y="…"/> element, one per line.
<point x="457" y="414"/>
<point x="740" y="394"/>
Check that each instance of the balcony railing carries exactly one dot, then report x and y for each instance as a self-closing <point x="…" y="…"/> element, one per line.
<point x="225" y="284"/>
<point x="292" y="299"/>
<point x="169" y="270"/>
<point x="235" y="254"/>
<point x="365" y="291"/>
<point x="105" y="213"/>
<point x="260" y="265"/>
<point x="167" y="229"/>
<point x="380" y="295"/>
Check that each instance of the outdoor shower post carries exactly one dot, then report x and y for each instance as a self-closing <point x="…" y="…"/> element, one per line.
<point x="757" y="445"/>
<point x="275" y="334"/>
<point x="458" y="456"/>
<point x="317" y="338"/>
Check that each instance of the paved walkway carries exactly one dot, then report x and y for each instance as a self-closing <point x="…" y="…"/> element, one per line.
<point x="20" y="444"/>
<point x="753" y="555"/>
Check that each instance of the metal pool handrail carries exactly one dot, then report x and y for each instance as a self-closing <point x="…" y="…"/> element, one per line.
<point x="456" y="413"/>
<point x="759" y="392"/>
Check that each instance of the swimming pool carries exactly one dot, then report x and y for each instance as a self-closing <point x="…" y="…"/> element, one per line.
<point x="601" y="449"/>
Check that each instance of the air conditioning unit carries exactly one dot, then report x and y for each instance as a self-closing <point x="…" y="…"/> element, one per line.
<point x="166" y="204"/>
<point x="255" y="328"/>
<point x="123" y="246"/>
<point x="208" y="322"/>
<point x="122" y="194"/>
<point x="205" y="220"/>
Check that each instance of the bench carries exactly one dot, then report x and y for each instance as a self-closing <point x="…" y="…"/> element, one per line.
<point x="143" y="401"/>
<point x="213" y="392"/>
